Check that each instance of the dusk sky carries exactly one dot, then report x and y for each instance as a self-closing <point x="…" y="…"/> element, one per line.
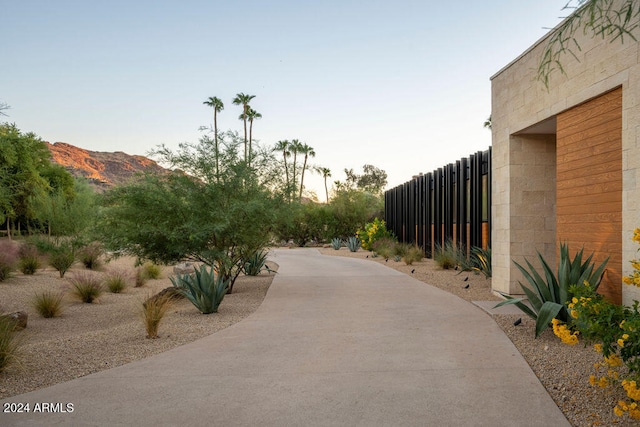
<point x="402" y="85"/>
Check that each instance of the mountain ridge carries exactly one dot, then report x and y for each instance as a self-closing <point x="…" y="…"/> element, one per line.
<point x="102" y="169"/>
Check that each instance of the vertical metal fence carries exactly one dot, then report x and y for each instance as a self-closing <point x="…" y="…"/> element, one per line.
<point x="450" y="203"/>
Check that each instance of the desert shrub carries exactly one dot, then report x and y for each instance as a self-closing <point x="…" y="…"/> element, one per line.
<point x="87" y="287"/>
<point x="116" y="281"/>
<point x="446" y="256"/>
<point x="204" y="289"/>
<point x="384" y="247"/>
<point x="62" y="258"/>
<point x="153" y="310"/>
<point x="412" y="254"/>
<point x="140" y="277"/>
<point x="48" y="304"/>
<point x="9" y="342"/>
<point x="372" y="232"/>
<point x="29" y="259"/>
<point x="549" y="296"/>
<point x="255" y="262"/>
<point x="151" y="270"/>
<point x="90" y="255"/>
<point x="44" y="244"/>
<point x="9" y="252"/>
<point x="353" y="243"/>
<point x="336" y="243"/>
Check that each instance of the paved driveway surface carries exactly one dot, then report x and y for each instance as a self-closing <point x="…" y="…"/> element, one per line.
<point x="337" y="342"/>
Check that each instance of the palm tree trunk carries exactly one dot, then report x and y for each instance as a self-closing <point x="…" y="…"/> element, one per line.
<point x="326" y="190"/>
<point x="215" y="138"/>
<point x="250" y="138"/>
<point x="245" y="133"/>
<point x="286" y="169"/>
<point x="302" y="176"/>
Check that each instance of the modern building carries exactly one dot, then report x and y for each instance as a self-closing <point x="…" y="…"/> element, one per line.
<point x="566" y="160"/>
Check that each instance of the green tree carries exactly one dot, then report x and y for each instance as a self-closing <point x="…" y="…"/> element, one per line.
<point x="244" y="99"/>
<point x="373" y="180"/>
<point x="189" y="214"/>
<point x="217" y="105"/>
<point x="608" y="19"/>
<point x="307" y="151"/>
<point x="22" y="158"/>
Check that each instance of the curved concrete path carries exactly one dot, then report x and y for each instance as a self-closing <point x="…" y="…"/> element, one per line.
<point x="337" y="342"/>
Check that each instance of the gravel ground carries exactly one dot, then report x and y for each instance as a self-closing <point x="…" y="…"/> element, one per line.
<point x="562" y="369"/>
<point x="88" y="338"/>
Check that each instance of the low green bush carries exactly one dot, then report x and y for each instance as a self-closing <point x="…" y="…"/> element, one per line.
<point x="384" y="247"/>
<point x="204" y="288"/>
<point x="62" y="258"/>
<point x="151" y="270"/>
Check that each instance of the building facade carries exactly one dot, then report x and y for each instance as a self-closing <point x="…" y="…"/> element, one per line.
<point x="566" y="161"/>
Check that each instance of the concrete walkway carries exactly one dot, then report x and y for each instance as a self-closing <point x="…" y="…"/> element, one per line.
<point x="337" y="342"/>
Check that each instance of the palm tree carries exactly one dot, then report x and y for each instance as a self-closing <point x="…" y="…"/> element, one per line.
<point x="284" y="147"/>
<point x="308" y="151"/>
<point x="326" y="173"/>
<point x="294" y="147"/>
<point x="252" y="115"/>
<point x="243" y="99"/>
<point x="217" y="105"/>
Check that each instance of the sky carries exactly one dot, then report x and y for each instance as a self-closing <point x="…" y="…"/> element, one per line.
<point x="403" y="85"/>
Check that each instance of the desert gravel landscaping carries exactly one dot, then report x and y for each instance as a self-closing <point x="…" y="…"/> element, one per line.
<point x="88" y="338"/>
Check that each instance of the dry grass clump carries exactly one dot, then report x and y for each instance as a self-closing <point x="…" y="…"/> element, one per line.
<point x="153" y="310"/>
<point x="8" y="258"/>
<point x="151" y="270"/>
<point x="116" y="281"/>
<point x="29" y="259"/>
<point x="48" y="304"/>
<point x="9" y="342"/>
<point x="90" y="255"/>
<point x="87" y="287"/>
<point x="62" y="258"/>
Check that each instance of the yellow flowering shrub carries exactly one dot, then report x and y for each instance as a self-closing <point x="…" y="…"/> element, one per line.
<point x="372" y="232"/>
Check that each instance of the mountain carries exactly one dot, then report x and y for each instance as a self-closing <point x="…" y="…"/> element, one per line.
<point x="102" y="169"/>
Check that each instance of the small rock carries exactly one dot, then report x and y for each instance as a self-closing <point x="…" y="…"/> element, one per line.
<point x="20" y="319"/>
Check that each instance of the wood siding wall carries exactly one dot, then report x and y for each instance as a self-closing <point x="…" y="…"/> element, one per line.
<point x="589" y="184"/>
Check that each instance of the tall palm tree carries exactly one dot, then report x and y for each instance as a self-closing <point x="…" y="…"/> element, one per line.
<point x="284" y="147"/>
<point x="307" y="151"/>
<point x="243" y="99"/>
<point x="217" y="105"/>
<point x="326" y="173"/>
<point x="294" y="147"/>
<point x="252" y="115"/>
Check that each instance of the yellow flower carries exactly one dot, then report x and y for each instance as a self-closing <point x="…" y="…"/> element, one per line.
<point x="598" y="347"/>
<point x="574" y="300"/>
<point x="613" y="360"/>
<point x="574" y="314"/>
<point x="603" y="382"/>
<point x="621" y="342"/>
<point x="619" y="412"/>
<point x="592" y="380"/>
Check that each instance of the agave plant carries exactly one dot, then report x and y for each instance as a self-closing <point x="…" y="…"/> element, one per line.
<point x="255" y="263"/>
<point x="481" y="260"/>
<point x="549" y="296"/>
<point x="336" y="243"/>
<point x="353" y="243"/>
<point x="204" y="289"/>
